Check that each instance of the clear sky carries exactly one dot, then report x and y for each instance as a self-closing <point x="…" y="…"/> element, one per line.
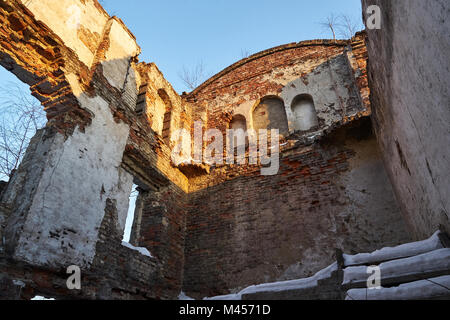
<point x="178" y="33"/>
<point x="181" y="33"/>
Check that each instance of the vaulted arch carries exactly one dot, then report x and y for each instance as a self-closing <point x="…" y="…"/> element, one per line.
<point x="269" y="114"/>
<point x="304" y="111"/>
<point x="239" y="124"/>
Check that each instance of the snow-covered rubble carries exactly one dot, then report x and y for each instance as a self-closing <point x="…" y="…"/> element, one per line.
<point x="434" y="261"/>
<point x="422" y="289"/>
<point x="388" y="253"/>
<point x="183" y="296"/>
<point x="40" y="298"/>
<point x="141" y="250"/>
<point x="282" y="285"/>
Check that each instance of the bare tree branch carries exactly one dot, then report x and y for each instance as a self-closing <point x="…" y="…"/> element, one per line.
<point x="342" y="25"/>
<point x="21" y="116"/>
<point x="244" y="54"/>
<point x="192" y="78"/>
<point x="348" y="26"/>
<point x="331" y="24"/>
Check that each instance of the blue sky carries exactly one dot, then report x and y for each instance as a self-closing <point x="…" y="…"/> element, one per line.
<point x="181" y="33"/>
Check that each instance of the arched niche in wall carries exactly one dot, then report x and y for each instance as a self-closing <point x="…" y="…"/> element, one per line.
<point x="269" y="114"/>
<point x="239" y="123"/>
<point x="167" y="118"/>
<point x="305" y="116"/>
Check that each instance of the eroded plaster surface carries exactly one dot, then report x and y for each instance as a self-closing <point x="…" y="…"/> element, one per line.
<point x="409" y="69"/>
<point x="332" y="89"/>
<point x="69" y="235"/>
<point x="79" y="23"/>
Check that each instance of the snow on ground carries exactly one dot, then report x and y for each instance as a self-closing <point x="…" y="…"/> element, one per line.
<point x="423" y="289"/>
<point x="183" y="296"/>
<point x="282" y="285"/>
<point x="434" y="261"/>
<point x="412" y="258"/>
<point x="39" y="298"/>
<point x="233" y="296"/>
<point x="402" y="251"/>
<point x="141" y="250"/>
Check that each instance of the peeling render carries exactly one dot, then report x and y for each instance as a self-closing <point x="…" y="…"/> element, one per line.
<point x="95" y="153"/>
<point x="332" y="89"/>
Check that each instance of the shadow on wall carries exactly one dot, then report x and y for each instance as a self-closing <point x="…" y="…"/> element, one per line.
<point x="270" y="114"/>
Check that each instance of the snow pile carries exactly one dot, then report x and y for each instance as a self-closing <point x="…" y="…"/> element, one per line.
<point x="141" y="250"/>
<point x="417" y="290"/>
<point x="282" y="285"/>
<point x="402" y="251"/>
<point x="39" y="298"/>
<point x="183" y="296"/>
<point x="434" y="261"/>
<point x="233" y="296"/>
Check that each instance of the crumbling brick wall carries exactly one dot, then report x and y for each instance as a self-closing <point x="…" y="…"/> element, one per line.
<point x="84" y="70"/>
<point x="210" y="229"/>
<point x="162" y="231"/>
<point x="247" y="229"/>
<point x="244" y="228"/>
<point x="238" y="88"/>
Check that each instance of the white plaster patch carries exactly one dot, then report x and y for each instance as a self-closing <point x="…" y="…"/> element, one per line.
<point x="328" y="86"/>
<point x="66" y="18"/>
<point x="82" y="172"/>
<point x="121" y="49"/>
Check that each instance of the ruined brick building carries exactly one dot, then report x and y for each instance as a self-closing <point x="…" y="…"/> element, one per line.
<point x="364" y="156"/>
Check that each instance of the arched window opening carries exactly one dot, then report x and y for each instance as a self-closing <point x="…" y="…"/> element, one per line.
<point x="239" y="124"/>
<point x="304" y="112"/>
<point x="132" y="230"/>
<point x="270" y="114"/>
<point x="131" y="213"/>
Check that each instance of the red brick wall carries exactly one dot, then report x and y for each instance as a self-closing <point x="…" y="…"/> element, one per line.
<point x="266" y="73"/>
<point x="162" y="231"/>
<point x="243" y="228"/>
<point x="247" y="229"/>
<point x="246" y="76"/>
